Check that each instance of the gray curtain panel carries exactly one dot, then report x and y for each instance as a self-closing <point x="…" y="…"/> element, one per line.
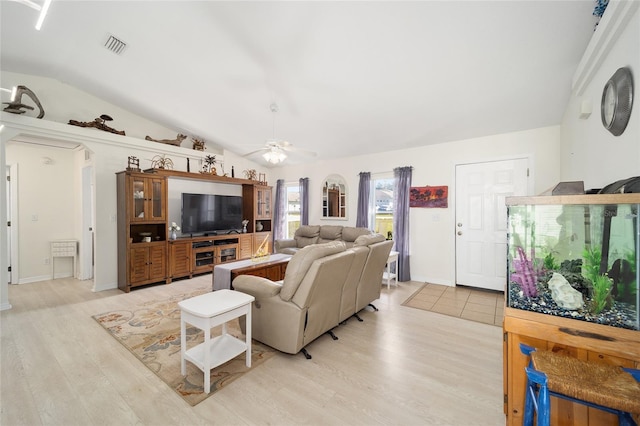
<point x="304" y="201"/>
<point x="402" y="186"/>
<point x="364" y="194"/>
<point x="280" y="211"/>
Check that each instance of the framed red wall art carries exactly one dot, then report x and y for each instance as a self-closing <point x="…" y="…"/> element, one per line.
<point x="429" y="196"/>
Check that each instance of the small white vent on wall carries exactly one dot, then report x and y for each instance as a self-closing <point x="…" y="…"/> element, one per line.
<point x="115" y="45"/>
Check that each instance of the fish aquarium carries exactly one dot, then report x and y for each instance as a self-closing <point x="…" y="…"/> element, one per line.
<point x="575" y="256"/>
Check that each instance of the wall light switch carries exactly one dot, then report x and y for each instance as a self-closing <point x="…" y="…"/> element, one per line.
<point x="34" y="217"/>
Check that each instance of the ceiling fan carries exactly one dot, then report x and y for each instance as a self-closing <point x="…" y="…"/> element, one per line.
<point x="275" y="150"/>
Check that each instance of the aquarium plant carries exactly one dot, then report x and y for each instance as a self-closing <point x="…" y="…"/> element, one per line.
<point x="550" y="263"/>
<point x="601" y="294"/>
<point x="591" y="264"/>
<point x="601" y="285"/>
<point x="525" y="275"/>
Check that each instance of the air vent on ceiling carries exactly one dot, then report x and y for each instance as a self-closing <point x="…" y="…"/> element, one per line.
<point x="115" y="45"/>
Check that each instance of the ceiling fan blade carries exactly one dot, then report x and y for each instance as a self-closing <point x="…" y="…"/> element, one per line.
<point x="256" y="151"/>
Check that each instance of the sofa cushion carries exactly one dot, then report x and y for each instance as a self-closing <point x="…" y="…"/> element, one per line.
<point x="350" y="233"/>
<point x="301" y="262"/>
<point x="329" y="233"/>
<point x="365" y="240"/>
<point x="306" y="235"/>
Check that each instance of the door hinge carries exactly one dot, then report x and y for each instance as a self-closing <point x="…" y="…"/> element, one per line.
<point x="504" y="336"/>
<point x="9" y="269"/>
<point x="527" y="172"/>
<point x="8" y="223"/>
<point x="8" y="178"/>
<point x="506" y="398"/>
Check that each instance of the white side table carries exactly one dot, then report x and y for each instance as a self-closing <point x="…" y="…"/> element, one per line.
<point x="205" y="312"/>
<point x="63" y="248"/>
<point x="388" y="275"/>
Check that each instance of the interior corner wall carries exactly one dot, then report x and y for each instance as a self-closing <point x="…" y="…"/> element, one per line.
<point x="432" y="241"/>
<point x="589" y="152"/>
<point x="46" y="204"/>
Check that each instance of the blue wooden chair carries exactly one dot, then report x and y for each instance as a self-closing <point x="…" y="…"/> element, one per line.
<point x="606" y="387"/>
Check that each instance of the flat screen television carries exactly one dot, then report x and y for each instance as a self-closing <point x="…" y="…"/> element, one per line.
<point x="208" y="213"/>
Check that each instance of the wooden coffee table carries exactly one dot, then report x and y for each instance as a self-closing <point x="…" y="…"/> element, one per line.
<point x="273" y="269"/>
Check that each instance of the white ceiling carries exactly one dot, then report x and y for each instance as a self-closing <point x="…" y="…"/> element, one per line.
<point x="349" y="77"/>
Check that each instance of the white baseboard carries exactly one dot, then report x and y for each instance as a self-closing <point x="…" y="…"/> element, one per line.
<point x="34" y="279"/>
<point x="5" y="306"/>
<point x="103" y="287"/>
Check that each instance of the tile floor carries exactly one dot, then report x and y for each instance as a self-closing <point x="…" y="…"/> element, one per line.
<point x="470" y="303"/>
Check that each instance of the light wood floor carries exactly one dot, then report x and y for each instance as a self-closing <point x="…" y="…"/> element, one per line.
<point x="401" y="366"/>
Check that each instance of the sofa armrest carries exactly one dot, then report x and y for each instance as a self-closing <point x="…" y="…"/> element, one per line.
<point x="258" y="287"/>
<point x="282" y="244"/>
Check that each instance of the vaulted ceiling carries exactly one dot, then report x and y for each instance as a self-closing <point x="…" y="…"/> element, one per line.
<point x="348" y="77"/>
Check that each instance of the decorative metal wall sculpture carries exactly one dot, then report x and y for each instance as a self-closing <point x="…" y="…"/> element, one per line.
<point x="98" y="123"/>
<point x="198" y="144"/>
<point x="15" y="107"/>
<point x="176" y="142"/>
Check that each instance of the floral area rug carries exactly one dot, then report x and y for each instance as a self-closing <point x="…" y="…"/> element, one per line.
<point x="151" y="332"/>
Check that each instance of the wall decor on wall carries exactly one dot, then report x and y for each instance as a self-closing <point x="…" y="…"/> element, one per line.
<point x="133" y="164"/>
<point x="16" y="106"/>
<point x="176" y="142"/>
<point x="208" y="166"/>
<point x="162" y="162"/>
<point x="98" y="123"/>
<point x="251" y="174"/>
<point x="429" y="196"/>
<point x="198" y="144"/>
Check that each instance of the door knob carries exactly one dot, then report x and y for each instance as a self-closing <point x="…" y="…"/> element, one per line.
<point x="459" y="232"/>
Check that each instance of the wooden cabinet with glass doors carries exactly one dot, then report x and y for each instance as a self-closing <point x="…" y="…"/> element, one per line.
<point x="147" y="196"/>
<point x="142" y="229"/>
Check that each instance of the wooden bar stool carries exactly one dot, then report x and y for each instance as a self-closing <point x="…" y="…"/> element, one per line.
<point x="606" y="387"/>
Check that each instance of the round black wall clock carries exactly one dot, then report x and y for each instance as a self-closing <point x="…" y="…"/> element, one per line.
<point x="617" y="100"/>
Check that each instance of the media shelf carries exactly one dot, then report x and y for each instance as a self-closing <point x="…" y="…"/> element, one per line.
<point x="209" y="251"/>
<point x="146" y="255"/>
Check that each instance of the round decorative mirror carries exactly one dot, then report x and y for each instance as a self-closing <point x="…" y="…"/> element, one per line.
<point x="334" y="197"/>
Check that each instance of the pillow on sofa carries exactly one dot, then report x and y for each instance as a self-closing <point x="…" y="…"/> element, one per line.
<point x="301" y="262"/>
<point x="366" y="240"/>
<point x="330" y="233"/>
<point x="306" y="235"/>
<point x="350" y="233"/>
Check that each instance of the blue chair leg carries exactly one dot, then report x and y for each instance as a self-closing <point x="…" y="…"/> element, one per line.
<point x="542" y="403"/>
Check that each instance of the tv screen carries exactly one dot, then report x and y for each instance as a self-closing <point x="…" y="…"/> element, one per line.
<point x="203" y="213"/>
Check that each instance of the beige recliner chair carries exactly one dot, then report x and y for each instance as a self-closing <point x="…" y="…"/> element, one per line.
<point x="290" y="315"/>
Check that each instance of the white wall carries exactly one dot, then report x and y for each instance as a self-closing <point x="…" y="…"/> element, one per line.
<point x="433" y="230"/>
<point x="46" y="203"/>
<point x="589" y="152"/>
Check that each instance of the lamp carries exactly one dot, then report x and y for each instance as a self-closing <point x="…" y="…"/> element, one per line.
<point x="42" y="9"/>
<point x="275" y="155"/>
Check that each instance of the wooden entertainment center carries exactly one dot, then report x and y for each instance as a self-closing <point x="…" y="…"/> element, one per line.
<point x="146" y="255"/>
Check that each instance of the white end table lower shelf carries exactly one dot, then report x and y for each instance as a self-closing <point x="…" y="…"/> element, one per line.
<point x="388" y="275"/>
<point x="205" y="312"/>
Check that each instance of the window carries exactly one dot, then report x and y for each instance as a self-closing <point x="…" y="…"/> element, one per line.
<point x="381" y="208"/>
<point x="293" y="209"/>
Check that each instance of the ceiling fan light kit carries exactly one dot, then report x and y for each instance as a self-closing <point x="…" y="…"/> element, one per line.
<point x="274" y="155"/>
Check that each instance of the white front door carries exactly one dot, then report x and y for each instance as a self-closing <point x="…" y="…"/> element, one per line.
<point x="481" y="220"/>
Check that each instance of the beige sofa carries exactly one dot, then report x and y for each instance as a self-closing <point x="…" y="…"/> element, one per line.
<point x="318" y="234"/>
<point x="324" y="285"/>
